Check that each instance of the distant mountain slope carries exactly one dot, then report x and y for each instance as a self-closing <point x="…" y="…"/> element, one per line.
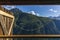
<point x="56" y="18"/>
<point x="30" y="24"/>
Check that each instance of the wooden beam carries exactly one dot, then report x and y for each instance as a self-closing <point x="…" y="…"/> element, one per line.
<point x="3" y="25"/>
<point x="11" y="26"/>
<point x="30" y="36"/>
<point x="4" y="19"/>
<point x="6" y="14"/>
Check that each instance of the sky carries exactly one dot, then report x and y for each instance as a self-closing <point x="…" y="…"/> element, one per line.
<point x="41" y="10"/>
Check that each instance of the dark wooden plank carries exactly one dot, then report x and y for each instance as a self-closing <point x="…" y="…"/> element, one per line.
<point x="29" y="2"/>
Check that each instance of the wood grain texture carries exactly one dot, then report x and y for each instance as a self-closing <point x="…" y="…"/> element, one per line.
<point x="6" y="23"/>
<point x="30" y="36"/>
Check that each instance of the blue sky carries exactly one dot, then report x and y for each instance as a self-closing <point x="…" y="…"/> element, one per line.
<point x="42" y="10"/>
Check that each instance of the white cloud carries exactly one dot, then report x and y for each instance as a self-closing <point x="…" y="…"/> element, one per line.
<point x="37" y="14"/>
<point x="8" y="6"/>
<point x="55" y="11"/>
<point x="52" y="10"/>
<point x="32" y="12"/>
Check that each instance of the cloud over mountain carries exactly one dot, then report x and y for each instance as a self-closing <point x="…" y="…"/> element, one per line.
<point x="8" y="6"/>
<point x="33" y="13"/>
<point x="52" y="10"/>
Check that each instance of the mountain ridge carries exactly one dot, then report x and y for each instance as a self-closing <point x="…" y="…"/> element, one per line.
<point x="30" y="24"/>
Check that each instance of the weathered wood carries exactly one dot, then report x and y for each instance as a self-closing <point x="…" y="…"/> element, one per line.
<point x="1" y="30"/>
<point x="3" y="25"/>
<point x="5" y="10"/>
<point x="6" y="14"/>
<point x="6" y="21"/>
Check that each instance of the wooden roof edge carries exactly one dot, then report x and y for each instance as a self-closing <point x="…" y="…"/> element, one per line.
<point x="5" y="10"/>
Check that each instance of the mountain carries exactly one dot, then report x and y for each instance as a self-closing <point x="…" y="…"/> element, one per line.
<point x="31" y="24"/>
<point x="57" y="18"/>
